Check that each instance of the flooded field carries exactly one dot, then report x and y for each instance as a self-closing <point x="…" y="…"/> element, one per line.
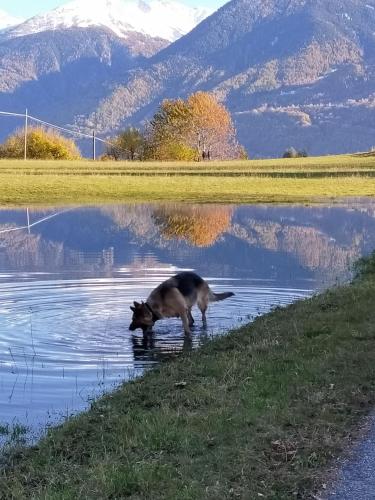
<point x="68" y="277"/>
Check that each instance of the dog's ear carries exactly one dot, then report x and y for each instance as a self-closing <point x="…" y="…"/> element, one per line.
<point x="132" y="308"/>
<point x="137" y="304"/>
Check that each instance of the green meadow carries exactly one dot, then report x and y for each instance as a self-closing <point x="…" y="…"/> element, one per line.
<point x="254" y="181"/>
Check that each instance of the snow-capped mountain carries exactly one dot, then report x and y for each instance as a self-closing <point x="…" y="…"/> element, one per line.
<point x="167" y="19"/>
<point x="6" y="20"/>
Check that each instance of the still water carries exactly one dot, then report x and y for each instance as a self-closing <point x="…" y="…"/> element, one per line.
<point x="68" y="277"/>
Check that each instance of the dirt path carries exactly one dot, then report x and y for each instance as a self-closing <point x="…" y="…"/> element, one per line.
<point x="356" y="480"/>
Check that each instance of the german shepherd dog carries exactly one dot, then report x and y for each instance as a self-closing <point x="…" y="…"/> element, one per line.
<point x="174" y="298"/>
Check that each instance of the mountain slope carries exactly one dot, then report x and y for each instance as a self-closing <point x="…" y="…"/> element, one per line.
<point x="60" y="64"/>
<point x="167" y="19"/>
<point x="63" y="74"/>
<point x="6" y="20"/>
<point x="289" y="70"/>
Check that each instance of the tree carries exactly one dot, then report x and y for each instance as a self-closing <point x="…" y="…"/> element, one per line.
<point x="168" y="131"/>
<point x="200" y="123"/>
<point x="293" y="153"/>
<point x="128" y="145"/>
<point x="211" y="127"/>
<point x="199" y="225"/>
<point x="42" y="144"/>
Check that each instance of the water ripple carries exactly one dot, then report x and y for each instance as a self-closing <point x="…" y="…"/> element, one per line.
<point x="64" y="340"/>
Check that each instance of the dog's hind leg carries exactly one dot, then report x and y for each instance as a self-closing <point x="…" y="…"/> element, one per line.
<point x="178" y="304"/>
<point x="185" y="322"/>
<point x="203" y="305"/>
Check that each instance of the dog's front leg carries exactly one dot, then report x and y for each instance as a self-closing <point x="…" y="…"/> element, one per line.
<point x="191" y="319"/>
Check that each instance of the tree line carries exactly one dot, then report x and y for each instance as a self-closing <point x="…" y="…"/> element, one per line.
<point x="196" y="128"/>
<point x="193" y="129"/>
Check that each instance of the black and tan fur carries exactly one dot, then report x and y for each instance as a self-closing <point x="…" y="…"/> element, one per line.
<point x="174" y="298"/>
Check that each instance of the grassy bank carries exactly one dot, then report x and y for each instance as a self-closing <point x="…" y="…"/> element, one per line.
<point x="257" y="414"/>
<point x="309" y="179"/>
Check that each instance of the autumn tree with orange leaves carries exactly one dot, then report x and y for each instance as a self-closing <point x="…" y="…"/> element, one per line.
<point x="196" y="128"/>
<point x="198" y="225"/>
<point x="211" y="127"/>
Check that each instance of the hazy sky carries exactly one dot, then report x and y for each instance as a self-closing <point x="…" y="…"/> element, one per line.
<point x="28" y="8"/>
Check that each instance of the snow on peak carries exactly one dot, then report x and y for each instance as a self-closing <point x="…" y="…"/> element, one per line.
<point x="168" y="19"/>
<point x="6" y="20"/>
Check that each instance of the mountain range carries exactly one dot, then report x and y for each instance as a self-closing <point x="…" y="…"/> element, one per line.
<point x="7" y="21"/>
<point x="292" y="72"/>
<point x="167" y="19"/>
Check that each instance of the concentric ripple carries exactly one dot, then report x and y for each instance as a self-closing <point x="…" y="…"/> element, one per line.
<point x="64" y="340"/>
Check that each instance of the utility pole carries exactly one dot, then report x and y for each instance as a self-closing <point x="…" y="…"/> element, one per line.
<point x="93" y="145"/>
<point x="199" y="146"/>
<point x="28" y="220"/>
<point x="26" y="132"/>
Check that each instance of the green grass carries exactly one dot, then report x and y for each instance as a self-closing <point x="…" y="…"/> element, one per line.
<point x="300" y="180"/>
<point x="262" y="413"/>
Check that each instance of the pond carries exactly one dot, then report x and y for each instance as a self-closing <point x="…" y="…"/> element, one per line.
<point x="68" y="277"/>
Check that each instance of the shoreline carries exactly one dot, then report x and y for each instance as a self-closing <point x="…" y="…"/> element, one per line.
<point x="262" y="412"/>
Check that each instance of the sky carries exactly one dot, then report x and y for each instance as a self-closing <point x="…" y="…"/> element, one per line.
<point x="27" y="8"/>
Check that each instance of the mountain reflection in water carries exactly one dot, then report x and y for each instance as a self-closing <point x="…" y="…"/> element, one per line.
<point x="67" y="281"/>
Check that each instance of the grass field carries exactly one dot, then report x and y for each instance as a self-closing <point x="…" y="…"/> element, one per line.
<point x="300" y="180"/>
<point x="260" y="413"/>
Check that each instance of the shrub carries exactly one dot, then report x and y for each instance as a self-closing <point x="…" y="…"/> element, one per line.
<point x="365" y="267"/>
<point x="128" y="145"/>
<point x="42" y="144"/>
<point x="293" y="153"/>
<point x="170" y="151"/>
<point x="242" y="153"/>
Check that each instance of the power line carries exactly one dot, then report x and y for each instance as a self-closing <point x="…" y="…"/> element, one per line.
<point x="40" y="221"/>
<point x="62" y="129"/>
<point x="73" y="132"/>
<point x="26" y="132"/>
<point x="6" y="113"/>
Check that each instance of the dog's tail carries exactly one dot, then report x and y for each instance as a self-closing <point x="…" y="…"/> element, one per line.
<point x="216" y="297"/>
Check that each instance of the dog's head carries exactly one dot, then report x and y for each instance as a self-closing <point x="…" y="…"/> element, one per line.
<point x="142" y="318"/>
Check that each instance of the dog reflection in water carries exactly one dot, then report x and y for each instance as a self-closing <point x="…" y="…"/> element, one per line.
<point x="147" y="348"/>
<point x="175" y="298"/>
